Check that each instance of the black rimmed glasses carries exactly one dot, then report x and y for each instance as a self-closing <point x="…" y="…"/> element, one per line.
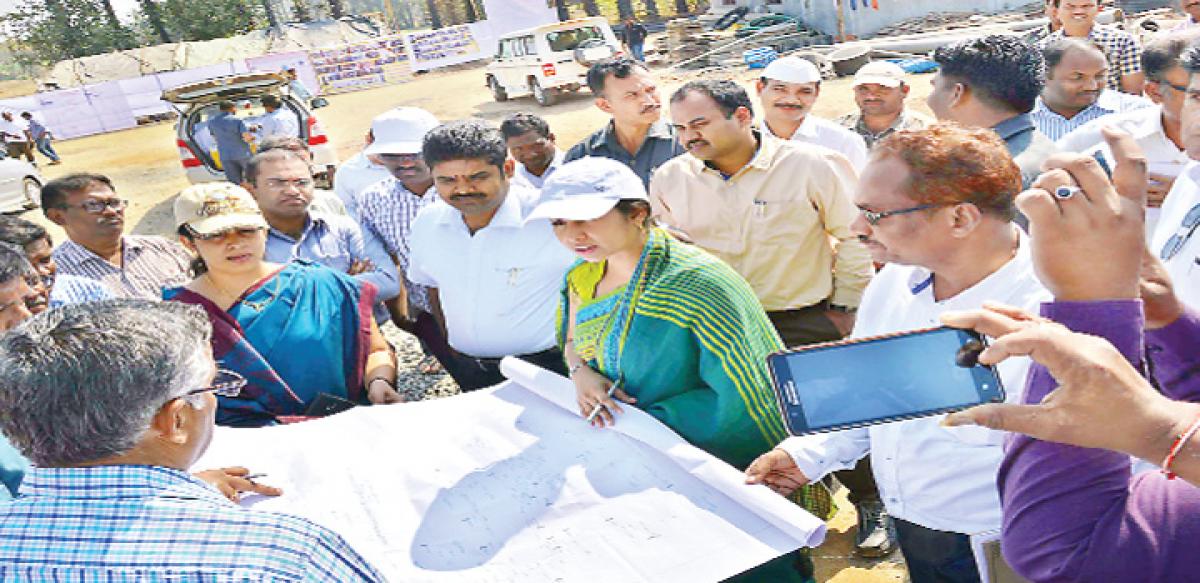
<point x="873" y="217"/>
<point x="226" y="384"/>
<point x="1182" y="234"/>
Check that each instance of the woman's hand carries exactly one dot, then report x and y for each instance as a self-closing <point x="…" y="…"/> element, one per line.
<point x="591" y="389"/>
<point x="380" y="392"/>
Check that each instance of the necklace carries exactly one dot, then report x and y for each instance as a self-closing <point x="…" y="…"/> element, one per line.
<point x="240" y="299"/>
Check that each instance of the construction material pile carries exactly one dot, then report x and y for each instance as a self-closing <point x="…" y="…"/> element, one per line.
<point x="940" y="21"/>
<point x="690" y="46"/>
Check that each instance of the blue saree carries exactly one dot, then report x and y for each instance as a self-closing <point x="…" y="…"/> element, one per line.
<point x="301" y="331"/>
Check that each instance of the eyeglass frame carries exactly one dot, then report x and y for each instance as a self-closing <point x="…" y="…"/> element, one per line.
<point x="230" y="388"/>
<point x="117" y="204"/>
<point x="873" y="217"/>
<point x="1176" y="243"/>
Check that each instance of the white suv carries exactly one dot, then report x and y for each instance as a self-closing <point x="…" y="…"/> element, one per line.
<point x="197" y="103"/>
<point x="551" y="59"/>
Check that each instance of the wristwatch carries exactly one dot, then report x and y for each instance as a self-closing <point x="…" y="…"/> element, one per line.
<point x="390" y="384"/>
<point x="843" y="309"/>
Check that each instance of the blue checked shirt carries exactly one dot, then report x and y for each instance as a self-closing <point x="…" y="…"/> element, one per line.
<point x="150" y="523"/>
<point x="387" y="209"/>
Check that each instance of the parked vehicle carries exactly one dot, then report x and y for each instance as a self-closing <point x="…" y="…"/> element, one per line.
<point x="549" y="60"/>
<point x="197" y="103"/>
<point x="20" y="186"/>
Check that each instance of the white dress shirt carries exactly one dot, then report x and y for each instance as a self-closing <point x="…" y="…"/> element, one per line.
<point x="938" y="477"/>
<point x="499" y="288"/>
<point x="525" y="178"/>
<point x="822" y="132"/>
<point x="1184" y="266"/>
<point x="354" y="176"/>
<point x="281" y="123"/>
<point x="1145" y="125"/>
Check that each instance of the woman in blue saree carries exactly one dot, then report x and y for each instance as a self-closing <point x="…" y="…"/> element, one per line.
<point x="299" y="333"/>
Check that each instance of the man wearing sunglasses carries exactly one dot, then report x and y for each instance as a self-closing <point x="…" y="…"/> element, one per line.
<point x="87" y="207"/>
<point x="136" y="380"/>
<point x="1175" y="241"/>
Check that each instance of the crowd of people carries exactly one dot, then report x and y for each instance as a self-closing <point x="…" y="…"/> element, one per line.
<point x="1050" y="206"/>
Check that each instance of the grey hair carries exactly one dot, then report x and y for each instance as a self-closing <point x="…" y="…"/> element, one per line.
<point x="82" y="382"/>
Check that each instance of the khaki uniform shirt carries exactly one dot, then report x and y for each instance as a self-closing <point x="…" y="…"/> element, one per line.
<point x="782" y="221"/>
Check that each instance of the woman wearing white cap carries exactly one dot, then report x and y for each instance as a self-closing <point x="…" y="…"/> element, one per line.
<point x="301" y="334"/>
<point x="681" y="333"/>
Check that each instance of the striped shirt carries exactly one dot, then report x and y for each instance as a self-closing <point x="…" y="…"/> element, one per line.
<point x="1122" y="49"/>
<point x="387" y="209"/>
<point x="1056" y="126"/>
<point x="72" y="289"/>
<point x="151" y="523"/>
<point x="148" y="265"/>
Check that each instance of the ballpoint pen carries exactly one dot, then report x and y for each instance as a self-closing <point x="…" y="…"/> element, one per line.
<point x="596" y="410"/>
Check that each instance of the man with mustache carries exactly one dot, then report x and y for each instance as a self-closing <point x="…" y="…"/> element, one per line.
<point x="281" y="182"/>
<point x="387" y="209"/>
<point x="788" y="90"/>
<point x="879" y="91"/>
<point x="1075" y="91"/>
<point x="1124" y="54"/>
<point x="493" y="279"/>
<point x="772" y="210"/>
<point x="86" y="206"/>
<point x="532" y="145"/>
<point x="636" y="137"/>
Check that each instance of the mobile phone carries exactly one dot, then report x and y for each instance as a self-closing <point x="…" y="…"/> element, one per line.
<point x="326" y="404"/>
<point x="868" y="381"/>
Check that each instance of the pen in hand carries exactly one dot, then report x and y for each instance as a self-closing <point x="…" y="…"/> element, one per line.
<point x="612" y="390"/>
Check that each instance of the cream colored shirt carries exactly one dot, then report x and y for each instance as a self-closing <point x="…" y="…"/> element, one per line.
<point x="782" y="221"/>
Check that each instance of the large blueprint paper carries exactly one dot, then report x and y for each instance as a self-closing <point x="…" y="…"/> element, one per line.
<point x="509" y="484"/>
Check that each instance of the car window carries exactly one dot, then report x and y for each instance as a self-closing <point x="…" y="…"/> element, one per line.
<point x="527" y="43"/>
<point x="567" y="40"/>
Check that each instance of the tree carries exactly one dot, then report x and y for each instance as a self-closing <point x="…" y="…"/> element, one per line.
<point x="301" y="11"/>
<point x="155" y="19"/>
<point x="591" y="8"/>
<point x="336" y="9"/>
<point x="652" y="9"/>
<point x="681" y="7"/>
<point x="272" y="18"/>
<point x="46" y="31"/>
<point x="435" y="18"/>
<point x="188" y="20"/>
<point x="471" y="15"/>
<point x="624" y="9"/>
<point x="119" y="34"/>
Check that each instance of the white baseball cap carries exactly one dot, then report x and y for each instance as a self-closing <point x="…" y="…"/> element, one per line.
<point x="883" y="73"/>
<point x="792" y="70"/>
<point x="586" y="189"/>
<point x="400" y="131"/>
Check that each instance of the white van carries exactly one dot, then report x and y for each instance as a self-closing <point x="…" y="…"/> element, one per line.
<point x="549" y="60"/>
<point x="197" y="103"/>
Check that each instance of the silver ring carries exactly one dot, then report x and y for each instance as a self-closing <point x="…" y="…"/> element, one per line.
<point x="1065" y="192"/>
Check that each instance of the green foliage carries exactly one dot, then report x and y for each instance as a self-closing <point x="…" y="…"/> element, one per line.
<point x="46" y="31"/>
<point x="189" y="20"/>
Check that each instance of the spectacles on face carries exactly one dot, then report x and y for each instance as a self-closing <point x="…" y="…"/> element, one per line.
<point x="240" y="232"/>
<point x="281" y="183"/>
<point x="1179" y="88"/>
<point x="96" y="206"/>
<point x="226" y="384"/>
<point x="1175" y="243"/>
<point x="874" y="217"/>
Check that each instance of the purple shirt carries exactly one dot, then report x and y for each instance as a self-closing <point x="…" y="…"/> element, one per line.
<point x="1077" y="514"/>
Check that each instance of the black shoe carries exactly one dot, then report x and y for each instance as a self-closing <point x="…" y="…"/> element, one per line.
<point x="876" y="536"/>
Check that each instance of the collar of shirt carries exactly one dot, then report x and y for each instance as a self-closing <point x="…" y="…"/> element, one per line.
<point x="607" y="137"/>
<point x="920" y="281"/>
<point x="116" y="481"/>
<point x="312" y="224"/>
<point x="1012" y="126"/>
<point x="763" y="157"/>
<point x="557" y="161"/>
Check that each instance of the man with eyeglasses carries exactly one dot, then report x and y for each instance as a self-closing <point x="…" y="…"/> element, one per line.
<point x="937" y="207"/>
<point x="388" y="208"/>
<point x="87" y="207"/>
<point x="281" y="182"/>
<point x="1158" y="130"/>
<point x="1175" y="241"/>
<point x="532" y="145"/>
<point x="137" y="380"/>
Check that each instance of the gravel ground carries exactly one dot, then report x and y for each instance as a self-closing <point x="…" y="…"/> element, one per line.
<point x="412" y="384"/>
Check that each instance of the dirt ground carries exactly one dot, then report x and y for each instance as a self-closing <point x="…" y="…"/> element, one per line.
<point x="144" y="164"/>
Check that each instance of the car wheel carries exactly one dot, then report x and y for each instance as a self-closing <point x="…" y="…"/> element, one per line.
<point x="31" y="189"/>
<point x="544" y="97"/>
<point x="498" y="91"/>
